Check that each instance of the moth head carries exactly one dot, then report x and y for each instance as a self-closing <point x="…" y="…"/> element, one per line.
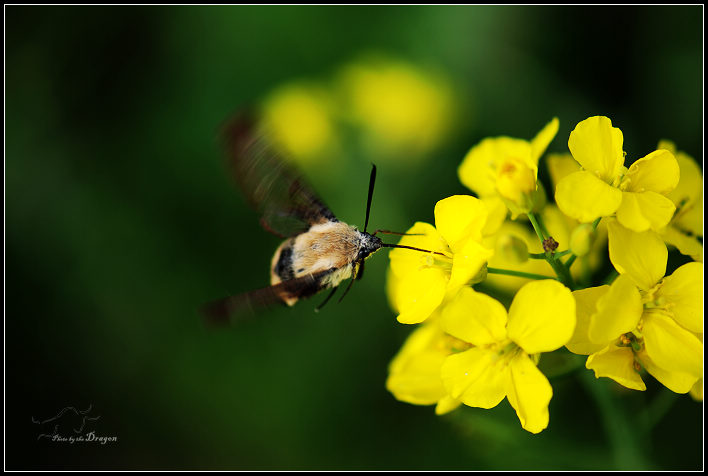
<point x="369" y="244"/>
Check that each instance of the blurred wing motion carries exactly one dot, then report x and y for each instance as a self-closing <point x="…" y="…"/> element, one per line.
<point x="234" y="308"/>
<point x="287" y="204"/>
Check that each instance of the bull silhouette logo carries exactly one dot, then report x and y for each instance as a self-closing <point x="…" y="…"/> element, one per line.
<point x="68" y="421"/>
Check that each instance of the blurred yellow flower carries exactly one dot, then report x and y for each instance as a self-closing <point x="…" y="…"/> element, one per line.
<point x="502" y="361"/>
<point x="404" y="110"/>
<point x="419" y="282"/>
<point x="643" y="319"/>
<point x="686" y="226"/>
<point x="604" y="187"/>
<point x="300" y="116"/>
<point x="507" y="168"/>
<point x="414" y="373"/>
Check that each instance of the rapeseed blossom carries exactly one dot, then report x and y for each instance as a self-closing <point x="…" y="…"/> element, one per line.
<point x="605" y="187"/>
<point x="643" y="319"/>
<point x="502" y="361"/>
<point x="421" y="281"/>
<point x="505" y="169"/>
<point x="638" y="320"/>
<point x="686" y="226"/>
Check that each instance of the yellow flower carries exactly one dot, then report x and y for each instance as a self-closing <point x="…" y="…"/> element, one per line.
<point x="502" y="362"/>
<point x="507" y="168"/>
<point x="687" y="223"/>
<point x="414" y="374"/>
<point x="300" y="117"/>
<point x="419" y="282"/>
<point x="605" y="187"/>
<point x="643" y="319"/>
<point x="404" y="110"/>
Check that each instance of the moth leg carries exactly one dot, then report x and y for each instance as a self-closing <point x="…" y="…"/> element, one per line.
<point x="329" y="296"/>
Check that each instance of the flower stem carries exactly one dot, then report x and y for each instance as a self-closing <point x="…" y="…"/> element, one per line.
<point x="626" y="450"/>
<point x="543" y="255"/>
<point x="536" y="226"/>
<point x="520" y="274"/>
<point x="562" y="271"/>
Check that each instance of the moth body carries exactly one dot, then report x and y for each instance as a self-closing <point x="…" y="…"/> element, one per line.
<point x="332" y="251"/>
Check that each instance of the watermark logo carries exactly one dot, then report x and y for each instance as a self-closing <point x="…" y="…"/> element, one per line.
<point x="71" y="426"/>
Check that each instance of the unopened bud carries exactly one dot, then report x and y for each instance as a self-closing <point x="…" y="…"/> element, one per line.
<point x="581" y="239"/>
<point x="512" y="248"/>
<point x="515" y="181"/>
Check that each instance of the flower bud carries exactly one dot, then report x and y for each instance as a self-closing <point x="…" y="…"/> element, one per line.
<point x="581" y="239"/>
<point x="512" y="248"/>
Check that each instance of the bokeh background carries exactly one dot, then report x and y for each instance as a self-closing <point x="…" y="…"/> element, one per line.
<point x="121" y="221"/>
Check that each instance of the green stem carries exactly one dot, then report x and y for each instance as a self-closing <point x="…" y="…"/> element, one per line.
<point x="561" y="270"/>
<point x="657" y="409"/>
<point x="536" y="226"/>
<point x="543" y="255"/>
<point x="520" y="274"/>
<point x="621" y="435"/>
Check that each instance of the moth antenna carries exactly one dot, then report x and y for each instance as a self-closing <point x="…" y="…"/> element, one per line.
<point x="372" y="180"/>
<point x="389" y="232"/>
<point x="329" y="296"/>
<point x="390" y="245"/>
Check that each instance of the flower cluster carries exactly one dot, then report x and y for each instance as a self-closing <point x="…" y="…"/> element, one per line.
<point x="468" y="348"/>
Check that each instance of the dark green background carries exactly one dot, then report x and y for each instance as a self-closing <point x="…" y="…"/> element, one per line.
<point x="121" y="221"/>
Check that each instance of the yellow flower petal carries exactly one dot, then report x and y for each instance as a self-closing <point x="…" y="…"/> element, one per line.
<point x="542" y="316"/>
<point x="446" y="405"/>
<point x="414" y="374"/>
<point x="466" y="264"/>
<point x="645" y="210"/>
<point x="690" y="186"/>
<point x="540" y="143"/>
<point x="496" y="214"/>
<point x="670" y="346"/>
<point x="697" y="390"/>
<point x="616" y="363"/>
<point x="475" y="318"/>
<point x="686" y="244"/>
<point x="585" y="306"/>
<point x="423" y="236"/>
<point x="691" y="219"/>
<point x="618" y="311"/>
<point x="683" y="293"/>
<point x="460" y="218"/>
<point x="658" y="172"/>
<point x="478" y="170"/>
<point x="583" y="196"/>
<point x="675" y="381"/>
<point x="597" y="146"/>
<point x="560" y="166"/>
<point x="642" y="256"/>
<point x="419" y="294"/>
<point x="529" y="392"/>
<point x="476" y="377"/>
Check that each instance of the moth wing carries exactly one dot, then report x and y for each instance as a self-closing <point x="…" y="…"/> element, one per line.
<point x="242" y="306"/>
<point x="271" y="185"/>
